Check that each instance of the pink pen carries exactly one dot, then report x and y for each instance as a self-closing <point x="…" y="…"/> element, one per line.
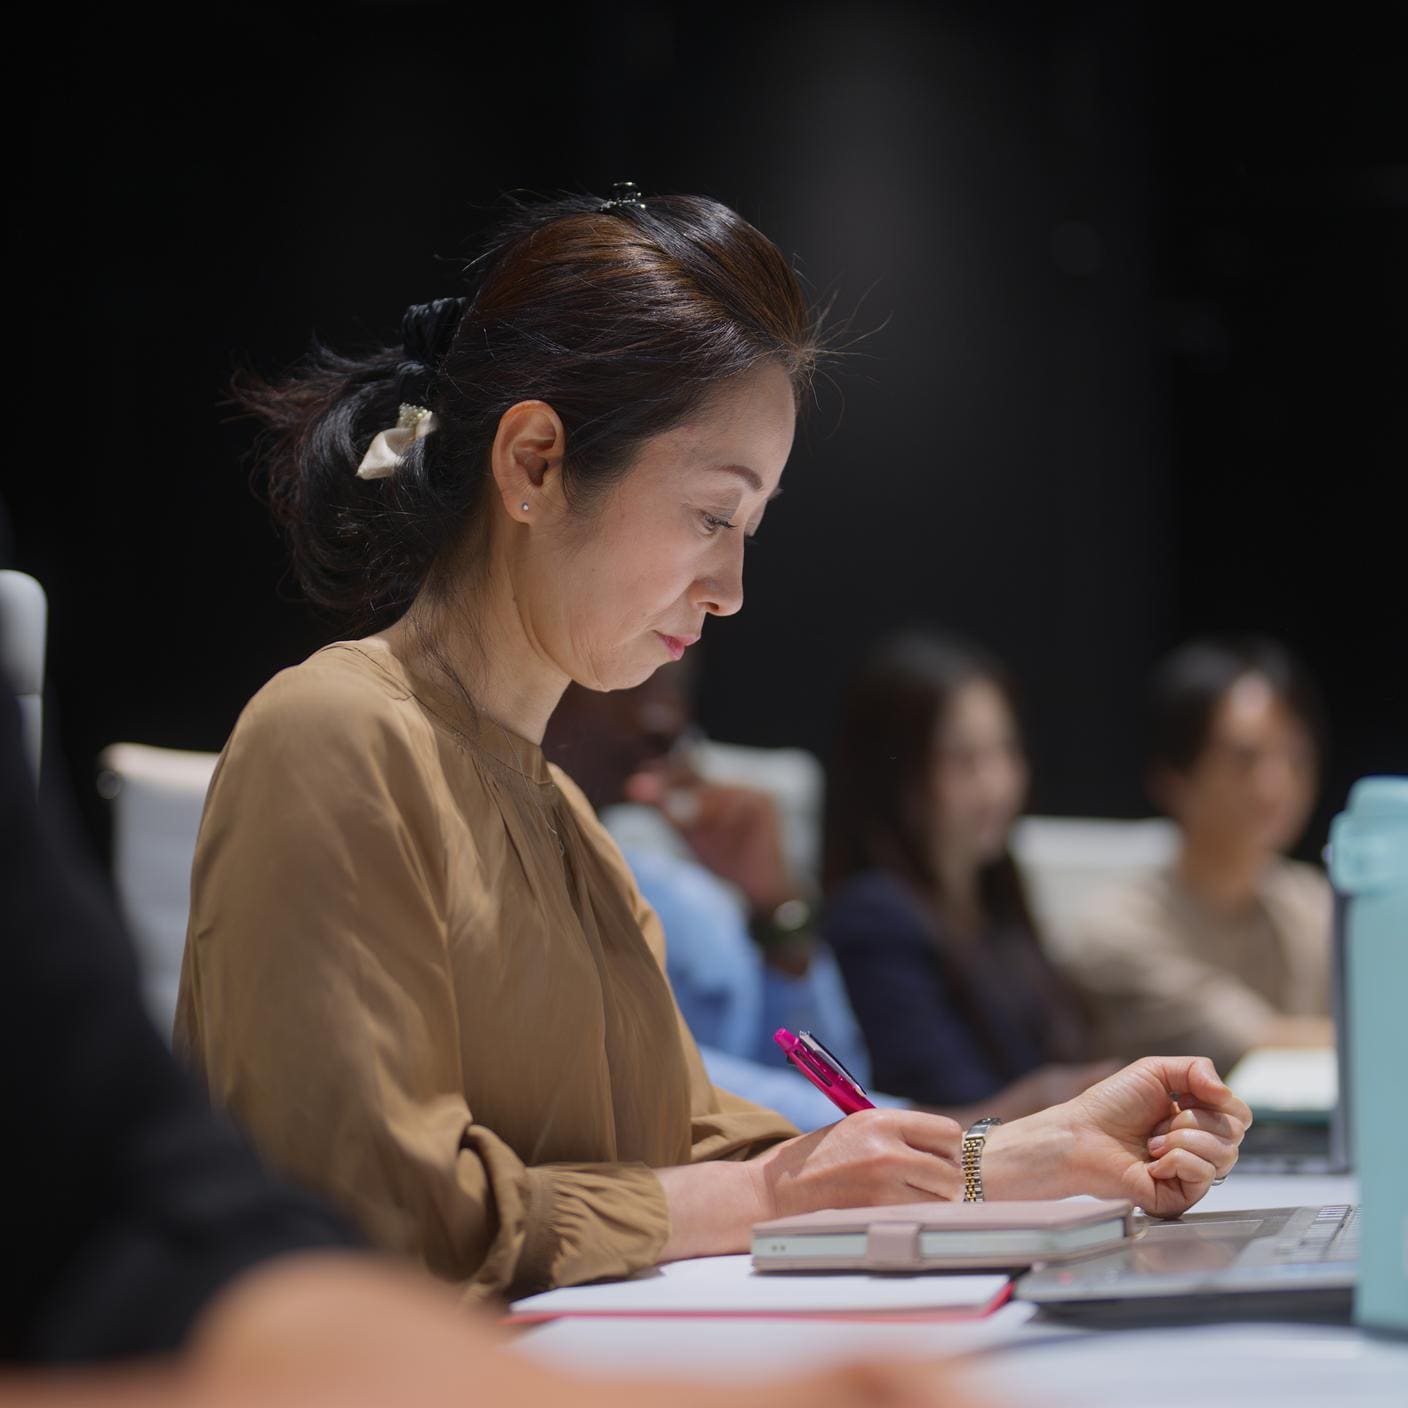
<point x="821" y="1067"/>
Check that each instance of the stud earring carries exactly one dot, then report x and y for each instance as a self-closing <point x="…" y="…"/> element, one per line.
<point x="525" y="505"/>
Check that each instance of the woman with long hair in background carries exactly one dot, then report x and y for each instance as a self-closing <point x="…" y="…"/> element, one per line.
<point x="927" y="912"/>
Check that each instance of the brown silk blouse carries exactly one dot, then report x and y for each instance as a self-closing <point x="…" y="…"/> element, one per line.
<point x="420" y="973"/>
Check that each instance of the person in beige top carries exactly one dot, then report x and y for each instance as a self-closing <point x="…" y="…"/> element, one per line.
<point x="1228" y="948"/>
<point x="417" y="969"/>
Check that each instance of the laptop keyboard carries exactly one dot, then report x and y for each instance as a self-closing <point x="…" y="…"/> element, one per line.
<point x="1332" y="1235"/>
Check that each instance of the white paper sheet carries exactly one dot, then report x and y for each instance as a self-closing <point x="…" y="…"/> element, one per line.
<point x="735" y="1350"/>
<point x="728" y="1284"/>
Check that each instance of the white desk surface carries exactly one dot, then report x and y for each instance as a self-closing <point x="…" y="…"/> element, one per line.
<point x="1017" y="1358"/>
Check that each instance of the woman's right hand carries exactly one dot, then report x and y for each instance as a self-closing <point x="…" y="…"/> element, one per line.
<point x="869" y="1158"/>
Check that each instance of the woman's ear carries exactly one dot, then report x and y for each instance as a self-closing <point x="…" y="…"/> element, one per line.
<point x="526" y="460"/>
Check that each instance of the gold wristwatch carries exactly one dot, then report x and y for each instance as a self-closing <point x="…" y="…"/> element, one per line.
<point x="974" y="1137"/>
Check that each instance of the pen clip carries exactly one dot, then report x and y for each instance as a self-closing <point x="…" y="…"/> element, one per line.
<point x="814" y="1046"/>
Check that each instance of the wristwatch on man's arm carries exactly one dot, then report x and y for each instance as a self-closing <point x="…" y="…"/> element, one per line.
<point x="784" y="934"/>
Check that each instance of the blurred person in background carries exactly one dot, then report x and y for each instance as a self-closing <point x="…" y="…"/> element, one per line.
<point x="1228" y="948"/>
<point x="711" y="860"/>
<point x="926" y="910"/>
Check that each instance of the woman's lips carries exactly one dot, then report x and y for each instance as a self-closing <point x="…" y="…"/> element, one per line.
<point x="676" y="645"/>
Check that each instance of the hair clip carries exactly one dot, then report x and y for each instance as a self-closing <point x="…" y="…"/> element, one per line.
<point x="388" y="447"/>
<point x="623" y="193"/>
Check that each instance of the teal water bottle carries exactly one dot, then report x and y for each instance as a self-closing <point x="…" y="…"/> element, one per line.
<point x="1369" y="867"/>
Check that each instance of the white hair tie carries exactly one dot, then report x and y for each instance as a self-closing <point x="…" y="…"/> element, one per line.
<point x="388" y="447"/>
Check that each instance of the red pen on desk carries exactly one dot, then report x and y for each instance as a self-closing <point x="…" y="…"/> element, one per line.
<point x="824" y="1070"/>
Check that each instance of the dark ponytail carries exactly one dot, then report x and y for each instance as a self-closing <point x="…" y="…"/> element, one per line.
<point x="623" y="318"/>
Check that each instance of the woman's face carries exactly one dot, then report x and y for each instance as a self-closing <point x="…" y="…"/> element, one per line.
<point x="979" y="780"/>
<point x="626" y="586"/>
<point x="1253" y="785"/>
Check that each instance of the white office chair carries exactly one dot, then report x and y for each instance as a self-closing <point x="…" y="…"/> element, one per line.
<point x="24" y="619"/>
<point x="157" y="795"/>
<point x="796" y="781"/>
<point x="1068" y="861"/>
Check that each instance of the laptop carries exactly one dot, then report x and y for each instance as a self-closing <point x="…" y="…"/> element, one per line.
<point x="1301" y="1098"/>
<point x="1286" y="1263"/>
<point x="1293" y="1093"/>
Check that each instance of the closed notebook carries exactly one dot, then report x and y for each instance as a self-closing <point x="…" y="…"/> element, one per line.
<point x="938" y="1236"/>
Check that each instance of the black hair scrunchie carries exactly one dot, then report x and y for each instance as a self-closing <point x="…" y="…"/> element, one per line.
<point x="428" y="329"/>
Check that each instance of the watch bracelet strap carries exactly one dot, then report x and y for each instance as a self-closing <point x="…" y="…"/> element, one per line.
<point x="974" y="1137"/>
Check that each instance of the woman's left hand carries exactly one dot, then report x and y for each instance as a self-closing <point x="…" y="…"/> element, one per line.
<point x="1157" y="1132"/>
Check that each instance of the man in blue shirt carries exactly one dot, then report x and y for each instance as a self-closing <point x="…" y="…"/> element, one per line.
<point x="628" y="751"/>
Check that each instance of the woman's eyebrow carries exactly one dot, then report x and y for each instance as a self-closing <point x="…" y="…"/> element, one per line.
<point x="749" y="477"/>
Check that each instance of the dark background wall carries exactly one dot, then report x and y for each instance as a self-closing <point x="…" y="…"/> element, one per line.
<point x="1126" y="294"/>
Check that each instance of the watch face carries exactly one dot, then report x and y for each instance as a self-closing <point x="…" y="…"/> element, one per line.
<point x="814" y="1044"/>
<point x="791" y="916"/>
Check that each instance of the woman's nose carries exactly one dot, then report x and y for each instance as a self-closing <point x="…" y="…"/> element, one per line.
<point x="721" y="592"/>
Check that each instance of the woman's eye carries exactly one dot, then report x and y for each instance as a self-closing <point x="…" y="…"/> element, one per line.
<point x="712" y="523"/>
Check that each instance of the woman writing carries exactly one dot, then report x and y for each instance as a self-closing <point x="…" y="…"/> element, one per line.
<point x="417" y="968"/>
<point x="927" y="915"/>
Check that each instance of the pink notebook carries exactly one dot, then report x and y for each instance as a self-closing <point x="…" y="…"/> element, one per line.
<point x="934" y="1236"/>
